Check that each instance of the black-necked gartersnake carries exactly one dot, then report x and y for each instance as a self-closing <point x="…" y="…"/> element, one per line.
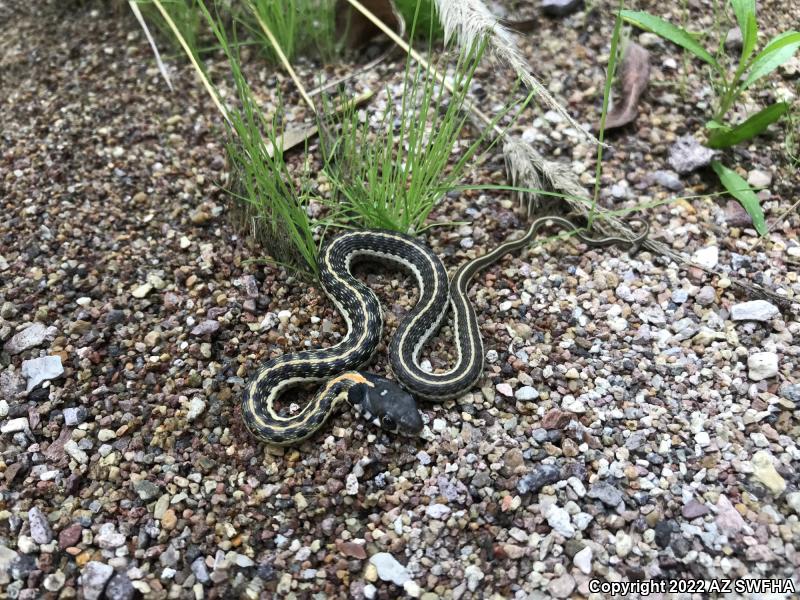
<point x="380" y="400"/>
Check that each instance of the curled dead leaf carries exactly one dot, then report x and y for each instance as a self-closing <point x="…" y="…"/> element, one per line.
<point x="634" y="75"/>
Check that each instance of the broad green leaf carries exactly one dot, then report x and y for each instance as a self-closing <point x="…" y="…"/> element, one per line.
<point x="712" y="124"/>
<point x="739" y="189"/>
<point x="749" y="128"/>
<point x="777" y="52"/>
<point x="745" y="11"/>
<point x="670" y="32"/>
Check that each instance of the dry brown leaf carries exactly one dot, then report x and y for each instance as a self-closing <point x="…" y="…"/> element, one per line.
<point x="634" y="75"/>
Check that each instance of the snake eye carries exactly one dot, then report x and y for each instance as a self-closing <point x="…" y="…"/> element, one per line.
<point x="388" y="423"/>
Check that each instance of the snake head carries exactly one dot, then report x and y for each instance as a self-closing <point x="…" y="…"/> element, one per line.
<point x="386" y="405"/>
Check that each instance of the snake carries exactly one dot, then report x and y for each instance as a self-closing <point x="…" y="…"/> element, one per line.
<point x="388" y="404"/>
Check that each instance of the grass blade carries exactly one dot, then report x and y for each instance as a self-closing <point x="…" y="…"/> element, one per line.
<point x="722" y="138"/>
<point x="777" y="52"/>
<point x="745" y="11"/>
<point x="670" y="32"/>
<point x="739" y="189"/>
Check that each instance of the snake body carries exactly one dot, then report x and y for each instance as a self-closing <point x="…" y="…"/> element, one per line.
<point x="390" y="406"/>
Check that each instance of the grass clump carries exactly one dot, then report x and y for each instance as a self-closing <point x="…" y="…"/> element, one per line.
<point x="392" y="171"/>
<point x="731" y="80"/>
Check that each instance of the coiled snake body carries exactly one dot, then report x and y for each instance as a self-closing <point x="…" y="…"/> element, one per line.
<point x="380" y="400"/>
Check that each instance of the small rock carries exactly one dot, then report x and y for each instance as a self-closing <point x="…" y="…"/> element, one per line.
<point x="735" y="215"/>
<point x="437" y="511"/>
<point x="728" y="518"/>
<point x="791" y="392"/>
<point x="147" y="490"/>
<point x="389" y="569"/>
<point x="733" y="39"/>
<point x="71" y="448"/>
<point x="687" y="155"/>
<point x="108" y="538"/>
<point x="623" y="544"/>
<point x="15" y="425"/>
<point x="208" y="327"/>
<point x="142" y="290"/>
<point x="762" y="365"/>
<point x="474" y="575"/>
<point x="352" y="549"/>
<point x="93" y="579"/>
<point x="606" y="493"/>
<point x="583" y="560"/>
<point x="120" y="588"/>
<point x="706" y="296"/>
<point x="759" y="179"/>
<point x="526" y="393"/>
<point x="199" y="569"/>
<point x="668" y="179"/>
<point x="541" y="476"/>
<point x="765" y="472"/>
<point x="707" y="257"/>
<point x="561" y="587"/>
<point x="755" y="310"/>
<point x="505" y="390"/>
<point x="54" y="581"/>
<point x="74" y="415"/>
<point x="41" y="369"/>
<point x="351" y="485"/>
<point x="196" y="408"/>
<point x="70" y="536"/>
<point x="30" y="337"/>
<point x="560" y="8"/>
<point x="558" y="518"/>
<point x="663" y="531"/>
<point x="40" y="528"/>
<point x="694" y="509"/>
<point x="793" y="501"/>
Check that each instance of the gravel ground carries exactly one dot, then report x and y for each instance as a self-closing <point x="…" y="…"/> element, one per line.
<point x="636" y="420"/>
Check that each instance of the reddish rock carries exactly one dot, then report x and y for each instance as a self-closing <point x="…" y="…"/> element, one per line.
<point x="352" y="549"/>
<point x="70" y="536"/>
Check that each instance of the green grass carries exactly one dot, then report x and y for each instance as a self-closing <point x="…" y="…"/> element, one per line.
<point x="184" y="14"/>
<point x="391" y="173"/>
<point x="275" y="206"/>
<point x="301" y="27"/>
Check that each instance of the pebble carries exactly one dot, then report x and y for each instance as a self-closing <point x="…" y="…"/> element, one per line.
<point x="70" y="535"/>
<point x="505" y="389"/>
<point x="765" y="472"/>
<point x="754" y="310"/>
<point x="351" y="485"/>
<point x="38" y="370"/>
<point x="474" y="575"/>
<point x="93" y="579"/>
<point x="140" y="291"/>
<point x="583" y="560"/>
<point x="15" y="425"/>
<point x="541" y="476"/>
<point x="623" y="544"/>
<point x="54" y="581"/>
<point x="759" y="179"/>
<point x="437" y="511"/>
<point x="74" y="415"/>
<point x="561" y="587"/>
<point x="728" y="519"/>
<point x="146" y="490"/>
<point x="793" y="502"/>
<point x="694" y="509"/>
<point x="687" y="155"/>
<point x="389" y="569"/>
<point x="28" y="338"/>
<point x="707" y="257"/>
<point x="606" y="493"/>
<point x="734" y="40"/>
<point x="706" y="296"/>
<point x="668" y="179"/>
<point x="206" y="328"/>
<point x="40" y="528"/>
<point x="108" y="538"/>
<point x="558" y="518"/>
<point x="197" y="407"/>
<point x="120" y="587"/>
<point x="762" y="365"/>
<point x="71" y="448"/>
<point x="526" y="393"/>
